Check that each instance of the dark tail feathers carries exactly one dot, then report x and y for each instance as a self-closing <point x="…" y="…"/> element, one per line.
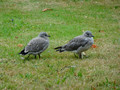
<point x="60" y="49"/>
<point x="22" y="52"/>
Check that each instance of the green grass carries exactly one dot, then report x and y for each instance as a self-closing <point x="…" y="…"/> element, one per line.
<point x="69" y="18"/>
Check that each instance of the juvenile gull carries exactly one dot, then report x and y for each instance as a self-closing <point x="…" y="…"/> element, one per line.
<point x="37" y="45"/>
<point x="78" y="44"/>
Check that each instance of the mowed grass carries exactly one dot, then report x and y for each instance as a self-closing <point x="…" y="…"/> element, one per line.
<point x="22" y="20"/>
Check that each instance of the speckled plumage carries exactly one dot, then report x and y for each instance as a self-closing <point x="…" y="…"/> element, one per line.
<point x="37" y="45"/>
<point x="78" y="44"/>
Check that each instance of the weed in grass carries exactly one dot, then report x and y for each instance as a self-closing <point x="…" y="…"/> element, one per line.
<point x="80" y="74"/>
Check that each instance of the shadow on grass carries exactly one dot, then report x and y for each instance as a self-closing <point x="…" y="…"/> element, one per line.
<point x="30" y="58"/>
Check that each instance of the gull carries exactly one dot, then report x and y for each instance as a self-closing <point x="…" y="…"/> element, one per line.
<point x="37" y="45"/>
<point x="78" y="44"/>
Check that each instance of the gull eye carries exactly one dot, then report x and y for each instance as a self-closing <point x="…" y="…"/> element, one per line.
<point x="88" y="34"/>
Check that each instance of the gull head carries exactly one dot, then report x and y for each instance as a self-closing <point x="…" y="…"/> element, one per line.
<point x="44" y="35"/>
<point x="88" y="34"/>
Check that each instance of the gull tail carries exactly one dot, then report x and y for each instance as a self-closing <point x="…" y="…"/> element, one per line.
<point x="60" y="49"/>
<point x="23" y="52"/>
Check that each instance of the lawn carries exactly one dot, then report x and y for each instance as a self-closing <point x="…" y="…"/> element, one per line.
<point x="22" y="20"/>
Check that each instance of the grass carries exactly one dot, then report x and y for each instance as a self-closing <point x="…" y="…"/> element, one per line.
<point x="22" y="20"/>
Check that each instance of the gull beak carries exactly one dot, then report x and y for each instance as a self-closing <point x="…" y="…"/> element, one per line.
<point x="48" y="35"/>
<point x="92" y="36"/>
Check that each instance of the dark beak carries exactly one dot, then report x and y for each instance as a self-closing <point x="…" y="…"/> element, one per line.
<point x="92" y="36"/>
<point x="48" y="35"/>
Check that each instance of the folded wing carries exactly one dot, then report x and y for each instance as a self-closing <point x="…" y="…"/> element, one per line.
<point x="75" y="43"/>
<point x="36" y="45"/>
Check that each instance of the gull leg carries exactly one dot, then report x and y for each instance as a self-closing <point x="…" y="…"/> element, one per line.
<point x="35" y="56"/>
<point x="28" y="56"/>
<point x="39" y="56"/>
<point x="80" y="56"/>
